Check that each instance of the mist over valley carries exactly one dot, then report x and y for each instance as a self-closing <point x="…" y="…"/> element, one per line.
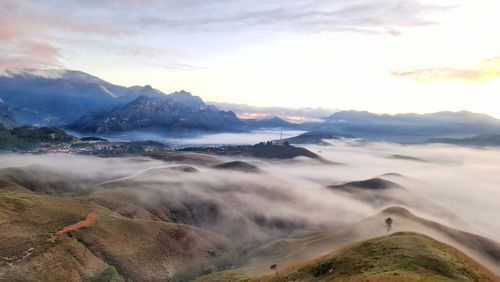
<point x="249" y="141"/>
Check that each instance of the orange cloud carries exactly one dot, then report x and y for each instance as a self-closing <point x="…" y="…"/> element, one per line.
<point x="484" y="70"/>
<point x="28" y="36"/>
<point x="252" y="115"/>
<point x="29" y="54"/>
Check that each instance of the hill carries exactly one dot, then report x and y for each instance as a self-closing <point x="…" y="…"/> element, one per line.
<point x="177" y="112"/>
<point x="316" y="137"/>
<point x="407" y="158"/>
<point x="401" y="256"/>
<point x="180" y="222"/>
<point x="238" y="166"/>
<point x="261" y="150"/>
<point x="379" y="192"/>
<point x="307" y="246"/>
<point x="27" y="137"/>
<point x="113" y="246"/>
<point x="369" y="184"/>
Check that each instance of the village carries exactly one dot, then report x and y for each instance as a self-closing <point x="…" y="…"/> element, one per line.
<point x="99" y="146"/>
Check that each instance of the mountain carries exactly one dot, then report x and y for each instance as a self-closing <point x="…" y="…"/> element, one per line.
<point x="56" y="98"/>
<point x="491" y="140"/>
<point x="59" y="97"/>
<point x="177" y="112"/>
<point x="358" y="117"/>
<point x="274" y="122"/>
<point x="410" y="127"/>
<point x="7" y="116"/>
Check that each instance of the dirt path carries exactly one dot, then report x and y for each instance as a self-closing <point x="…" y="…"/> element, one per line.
<point x="91" y="217"/>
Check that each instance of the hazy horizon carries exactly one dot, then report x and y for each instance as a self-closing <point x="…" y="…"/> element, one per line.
<point x="249" y="140"/>
<point x="374" y="55"/>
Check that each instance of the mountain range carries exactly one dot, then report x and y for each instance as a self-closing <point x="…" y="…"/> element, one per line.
<point x="177" y="112"/>
<point x="410" y="127"/>
<point x="484" y="140"/>
<point x="7" y="117"/>
<point x="60" y="97"/>
<point x="86" y="103"/>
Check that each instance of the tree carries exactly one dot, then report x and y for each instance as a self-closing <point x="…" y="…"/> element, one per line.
<point x="388" y="224"/>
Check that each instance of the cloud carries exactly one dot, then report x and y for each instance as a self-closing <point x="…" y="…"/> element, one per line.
<point x="484" y="70"/>
<point x="178" y="66"/>
<point x="28" y="34"/>
<point x="62" y="24"/>
<point x="375" y="16"/>
<point x="289" y="114"/>
<point x="28" y="54"/>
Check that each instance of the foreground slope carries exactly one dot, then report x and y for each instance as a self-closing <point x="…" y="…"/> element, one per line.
<point x="315" y="243"/>
<point x="397" y="257"/>
<point x="180" y="222"/>
<point x="35" y="247"/>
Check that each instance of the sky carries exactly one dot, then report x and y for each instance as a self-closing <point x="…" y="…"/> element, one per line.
<point x="384" y="56"/>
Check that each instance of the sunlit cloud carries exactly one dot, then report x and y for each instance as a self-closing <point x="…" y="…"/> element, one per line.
<point x="289" y="114"/>
<point x="27" y="34"/>
<point x="484" y="70"/>
<point x="28" y="54"/>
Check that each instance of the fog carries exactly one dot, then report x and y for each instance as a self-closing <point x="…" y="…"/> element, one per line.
<point x="203" y="139"/>
<point x="460" y="183"/>
<point x="248" y="138"/>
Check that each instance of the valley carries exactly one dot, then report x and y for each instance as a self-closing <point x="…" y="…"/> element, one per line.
<point x="249" y="141"/>
<point x="205" y="216"/>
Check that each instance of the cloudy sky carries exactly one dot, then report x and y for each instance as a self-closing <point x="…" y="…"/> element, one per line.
<point x="377" y="55"/>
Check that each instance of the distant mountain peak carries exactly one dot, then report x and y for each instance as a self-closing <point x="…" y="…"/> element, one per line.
<point x="72" y="75"/>
<point x="174" y="112"/>
<point x="182" y="92"/>
<point x="274" y="118"/>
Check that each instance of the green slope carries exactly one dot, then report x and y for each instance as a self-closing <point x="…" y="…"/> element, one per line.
<point x="401" y="256"/>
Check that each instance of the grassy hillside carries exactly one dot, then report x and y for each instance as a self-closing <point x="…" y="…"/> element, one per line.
<point x="312" y="244"/>
<point x="397" y="257"/>
<point x="261" y="150"/>
<point x="143" y="230"/>
<point x="111" y="248"/>
<point x="26" y="137"/>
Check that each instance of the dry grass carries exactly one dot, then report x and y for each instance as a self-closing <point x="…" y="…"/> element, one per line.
<point x="399" y="257"/>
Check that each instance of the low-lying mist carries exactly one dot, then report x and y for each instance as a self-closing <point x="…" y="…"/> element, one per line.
<point x="290" y="196"/>
<point x="180" y="140"/>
